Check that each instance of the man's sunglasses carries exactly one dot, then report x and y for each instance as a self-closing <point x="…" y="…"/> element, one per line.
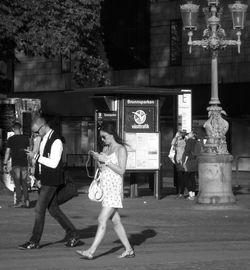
<point x="37" y="132"/>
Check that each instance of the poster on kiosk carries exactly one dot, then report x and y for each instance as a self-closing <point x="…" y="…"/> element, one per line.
<point x="140" y="133"/>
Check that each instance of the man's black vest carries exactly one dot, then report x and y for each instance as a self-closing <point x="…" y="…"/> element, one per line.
<point x="50" y="176"/>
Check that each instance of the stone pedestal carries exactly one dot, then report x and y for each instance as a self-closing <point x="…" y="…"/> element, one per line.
<point x="215" y="179"/>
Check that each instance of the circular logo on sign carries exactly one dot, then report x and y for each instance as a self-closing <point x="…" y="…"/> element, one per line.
<point x="139" y="117"/>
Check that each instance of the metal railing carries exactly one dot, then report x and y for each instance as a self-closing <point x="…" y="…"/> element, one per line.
<point x="237" y="167"/>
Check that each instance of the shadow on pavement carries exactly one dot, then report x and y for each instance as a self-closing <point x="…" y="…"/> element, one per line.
<point x="87" y="232"/>
<point x="135" y="240"/>
<point x="80" y="243"/>
<point x="138" y="238"/>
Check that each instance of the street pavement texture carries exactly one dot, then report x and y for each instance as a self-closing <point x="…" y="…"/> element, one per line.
<point x="166" y="234"/>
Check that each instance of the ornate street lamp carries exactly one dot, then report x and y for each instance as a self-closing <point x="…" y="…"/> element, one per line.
<point x="215" y="163"/>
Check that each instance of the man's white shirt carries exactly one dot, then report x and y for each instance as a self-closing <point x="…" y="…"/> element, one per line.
<point x="55" y="153"/>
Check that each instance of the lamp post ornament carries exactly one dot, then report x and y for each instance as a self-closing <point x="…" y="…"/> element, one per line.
<point x="215" y="161"/>
<point x="214" y="38"/>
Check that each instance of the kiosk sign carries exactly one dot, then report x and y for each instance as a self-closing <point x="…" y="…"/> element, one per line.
<point x="106" y="116"/>
<point x="140" y="115"/>
<point x="185" y="110"/>
<point x="140" y="102"/>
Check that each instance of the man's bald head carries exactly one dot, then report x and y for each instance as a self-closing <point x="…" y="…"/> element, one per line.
<point x="39" y="126"/>
<point x="38" y="121"/>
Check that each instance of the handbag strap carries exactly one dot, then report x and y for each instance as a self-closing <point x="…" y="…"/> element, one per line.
<point x="97" y="172"/>
<point x="86" y="166"/>
<point x="97" y="175"/>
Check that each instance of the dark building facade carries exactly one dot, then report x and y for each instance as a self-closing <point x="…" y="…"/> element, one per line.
<point x="145" y="45"/>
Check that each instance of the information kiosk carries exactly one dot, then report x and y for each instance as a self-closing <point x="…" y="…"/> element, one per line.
<point x="140" y="129"/>
<point x="135" y="111"/>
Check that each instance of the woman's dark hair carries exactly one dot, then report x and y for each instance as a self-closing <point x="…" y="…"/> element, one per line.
<point x="110" y="129"/>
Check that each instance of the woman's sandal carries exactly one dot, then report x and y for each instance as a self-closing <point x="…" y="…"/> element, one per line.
<point x="85" y="254"/>
<point x="127" y="254"/>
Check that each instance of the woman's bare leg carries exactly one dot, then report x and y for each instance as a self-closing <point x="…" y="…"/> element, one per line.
<point x="103" y="217"/>
<point x="120" y="231"/>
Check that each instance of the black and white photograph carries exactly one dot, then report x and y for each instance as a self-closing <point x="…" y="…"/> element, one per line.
<point x="124" y="134"/>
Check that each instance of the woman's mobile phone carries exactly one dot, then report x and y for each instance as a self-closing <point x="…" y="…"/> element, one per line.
<point x="93" y="153"/>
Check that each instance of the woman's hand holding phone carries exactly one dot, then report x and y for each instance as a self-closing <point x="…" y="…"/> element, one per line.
<point x="94" y="154"/>
<point x="101" y="157"/>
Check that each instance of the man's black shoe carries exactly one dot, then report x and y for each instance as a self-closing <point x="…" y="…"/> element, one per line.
<point x="72" y="242"/>
<point x="29" y="245"/>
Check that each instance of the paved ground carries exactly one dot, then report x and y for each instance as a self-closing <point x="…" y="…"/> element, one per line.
<point x="167" y="234"/>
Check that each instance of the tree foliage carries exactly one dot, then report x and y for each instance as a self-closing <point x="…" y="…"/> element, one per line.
<point x="49" y="28"/>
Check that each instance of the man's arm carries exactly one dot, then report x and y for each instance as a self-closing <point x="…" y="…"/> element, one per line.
<point x="6" y="158"/>
<point x="55" y="155"/>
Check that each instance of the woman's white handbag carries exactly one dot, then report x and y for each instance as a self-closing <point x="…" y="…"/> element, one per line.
<point x="95" y="190"/>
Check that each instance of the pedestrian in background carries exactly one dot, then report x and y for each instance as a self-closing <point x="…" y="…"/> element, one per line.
<point x="16" y="146"/>
<point x="49" y="166"/>
<point x="178" y="145"/>
<point x="35" y="145"/>
<point x="190" y="162"/>
<point x="112" y="163"/>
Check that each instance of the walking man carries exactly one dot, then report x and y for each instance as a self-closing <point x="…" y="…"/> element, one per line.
<point x="16" y="146"/>
<point x="49" y="168"/>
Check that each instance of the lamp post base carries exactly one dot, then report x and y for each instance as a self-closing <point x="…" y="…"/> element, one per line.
<point x="215" y="179"/>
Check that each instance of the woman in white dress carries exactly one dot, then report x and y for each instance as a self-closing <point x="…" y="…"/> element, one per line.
<point x="112" y="163"/>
